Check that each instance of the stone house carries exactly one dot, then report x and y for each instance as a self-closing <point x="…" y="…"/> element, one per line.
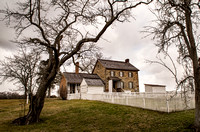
<point x="118" y="76"/>
<point x="107" y="76"/>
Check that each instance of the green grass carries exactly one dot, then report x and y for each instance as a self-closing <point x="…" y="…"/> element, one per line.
<point x="81" y="115"/>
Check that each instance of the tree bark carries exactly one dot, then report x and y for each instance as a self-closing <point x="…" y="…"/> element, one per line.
<point x="197" y="98"/>
<point x="194" y="56"/>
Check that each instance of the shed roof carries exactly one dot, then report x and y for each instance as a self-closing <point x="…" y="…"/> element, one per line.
<point x="118" y="65"/>
<point x="77" y="78"/>
<point x="94" y="82"/>
<point x="154" y="85"/>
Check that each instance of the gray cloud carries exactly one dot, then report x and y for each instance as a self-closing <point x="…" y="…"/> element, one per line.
<point x="7" y="45"/>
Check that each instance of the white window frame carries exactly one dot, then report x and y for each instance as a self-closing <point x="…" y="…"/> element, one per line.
<point x="130" y="74"/>
<point x="130" y="85"/>
<point x="121" y="74"/>
<point x="112" y="73"/>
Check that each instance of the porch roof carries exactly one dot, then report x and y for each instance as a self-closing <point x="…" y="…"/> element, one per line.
<point x="114" y="78"/>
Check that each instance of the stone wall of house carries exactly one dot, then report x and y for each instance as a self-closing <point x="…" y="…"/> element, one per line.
<point x="100" y="71"/>
<point x="126" y="79"/>
<point x="104" y="74"/>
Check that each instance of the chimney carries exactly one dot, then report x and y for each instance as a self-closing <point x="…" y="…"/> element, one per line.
<point x="77" y="68"/>
<point x="127" y="61"/>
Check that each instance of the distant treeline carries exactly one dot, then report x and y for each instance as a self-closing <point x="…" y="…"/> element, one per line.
<point x="10" y="95"/>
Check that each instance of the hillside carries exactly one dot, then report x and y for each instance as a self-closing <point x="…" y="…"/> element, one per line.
<point x="82" y="115"/>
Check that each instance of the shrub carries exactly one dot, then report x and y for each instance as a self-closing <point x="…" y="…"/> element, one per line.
<point x="53" y="96"/>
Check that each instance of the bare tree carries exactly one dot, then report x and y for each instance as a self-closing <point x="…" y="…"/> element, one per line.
<point x="184" y="82"/>
<point x="21" y="69"/>
<point x="177" y="24"/>
<point x="61" y="28"/>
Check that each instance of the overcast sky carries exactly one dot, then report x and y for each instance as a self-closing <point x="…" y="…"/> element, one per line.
<point x="123" y="40"/>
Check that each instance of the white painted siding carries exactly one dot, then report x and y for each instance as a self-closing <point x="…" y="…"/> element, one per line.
<point x="91" y="89"/>
<point x="155" y="89"/>
<point x="158" y="89"/>
<point x="148" y="89"/>
<point x="110" y="86"/>
<point x="84" y="86"/>
<point x="95" y="89"/>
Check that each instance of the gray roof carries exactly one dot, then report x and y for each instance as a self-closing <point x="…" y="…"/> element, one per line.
<point x="118" y="65"/>
<point x="94" y="82"/>
<point x="77" y="78"/>
<point x="154" y="85"/>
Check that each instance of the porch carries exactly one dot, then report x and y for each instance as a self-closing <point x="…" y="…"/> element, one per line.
<point x="115" y="85"/>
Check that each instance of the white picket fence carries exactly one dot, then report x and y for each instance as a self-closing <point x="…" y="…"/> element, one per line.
<point x="165" y="102"/>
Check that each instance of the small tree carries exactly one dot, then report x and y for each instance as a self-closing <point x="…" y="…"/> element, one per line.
<point x="21" y="69"/>
<point x="61" y="28"/>
<point x="63" y="92"/>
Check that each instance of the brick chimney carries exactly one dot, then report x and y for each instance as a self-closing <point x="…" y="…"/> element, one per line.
<point x="77" y="68"/>
<point x="127" y="60"/>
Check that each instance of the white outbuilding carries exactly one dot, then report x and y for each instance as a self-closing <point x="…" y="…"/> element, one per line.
<point x="152" y="88"/>
<point x="92" y="86"/>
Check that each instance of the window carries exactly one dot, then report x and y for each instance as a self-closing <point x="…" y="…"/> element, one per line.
<point x="112" y="73"/>
<point x="130" y="74"/>
<point x="130" y="84"/>
<point x="121" y="74"/>
<point x="122" y="84"/>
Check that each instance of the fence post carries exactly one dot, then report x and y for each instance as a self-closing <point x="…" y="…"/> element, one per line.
<point x="112" y="98"/>
<point x="144" y="100"/>
<point x="144" y="103"/>
<point x="126" y="100"/>
<point x="168" y="106"/>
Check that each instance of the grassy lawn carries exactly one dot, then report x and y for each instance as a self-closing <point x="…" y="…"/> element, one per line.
<point x="81" y="115"/>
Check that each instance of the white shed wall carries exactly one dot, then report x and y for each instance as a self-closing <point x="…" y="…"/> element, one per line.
<point x="84" y="86"/>
<point x="95" y="89"/>
<point x="91" y="89"/>
<point x="155" y="89"/>
<point x="158" y="89"/>
<point x="148" y="89"/>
